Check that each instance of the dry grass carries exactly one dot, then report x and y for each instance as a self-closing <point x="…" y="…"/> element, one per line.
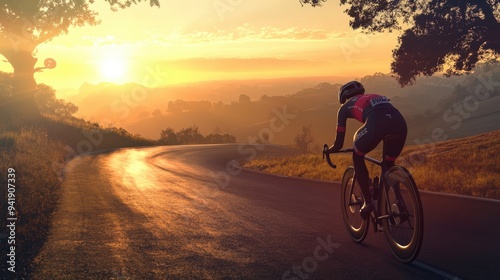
<point x="32" y="154"/>
<point x="467" y="166"/>
<point x="37" y="153"/>
<point x="311" y="166"/>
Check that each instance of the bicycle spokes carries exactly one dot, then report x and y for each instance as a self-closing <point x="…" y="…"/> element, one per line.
<point x="352" y="201"/>
<point x="400" y="214"/>
<point x="355" y="203"/>
<point x="402" y="206"/>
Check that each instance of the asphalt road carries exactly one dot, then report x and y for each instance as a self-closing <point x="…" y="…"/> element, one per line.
<point x="189" y="213"/>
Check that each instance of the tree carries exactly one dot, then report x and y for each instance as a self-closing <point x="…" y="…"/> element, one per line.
<point x="190" y="135"/>
<point x="441" y="36"/>
<point x="304" y="139"/>
<point x="47" y="102"/>
<point x="216" y="138"/>
<point x="244" y="99"/>
<point x="157" y="113"/>
<point x="168" y="137"/>
<point x="45" y="98"/>
<point x="265" y="138"/>
<point x="25" y="24"/>
<point x="313" y="3"/>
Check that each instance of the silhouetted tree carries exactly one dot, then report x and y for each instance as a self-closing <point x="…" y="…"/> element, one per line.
<point x="157" y="113"/>
<point x="47" y="102"/>
<point x="25" y="24"/>
<point x="243" y="98"/>
<point x="304" y="139"/>
<point x="190" y="135"/>
<point x="265" y="138"/>
<point x="216" y="138"/>
<point x="168" y="137"/>
<point x="313" y="3"/>
<point x="442" y="35"/>
<point x="45" y="97"/>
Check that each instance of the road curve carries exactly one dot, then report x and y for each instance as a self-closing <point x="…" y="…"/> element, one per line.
<point x="187" y="212"/>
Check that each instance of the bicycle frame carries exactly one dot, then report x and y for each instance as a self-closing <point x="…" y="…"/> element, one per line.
<point x="376" y="217"/>
<point x="397" y="190"/>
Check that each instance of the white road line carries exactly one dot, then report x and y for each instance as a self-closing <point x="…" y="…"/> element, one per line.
<point x="435" y="270"/>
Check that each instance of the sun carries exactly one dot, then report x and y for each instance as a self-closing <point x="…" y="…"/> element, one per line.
<point x="113" y="69"/>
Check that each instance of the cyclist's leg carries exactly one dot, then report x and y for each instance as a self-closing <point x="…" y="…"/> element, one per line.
<point x="361" y="174"/>
<point x="394" y="144"/>
<point x="365" y="140"/>
<point x="394" y="140"/>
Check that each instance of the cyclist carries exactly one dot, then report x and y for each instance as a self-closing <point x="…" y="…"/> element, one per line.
<point x="381" y="122"/>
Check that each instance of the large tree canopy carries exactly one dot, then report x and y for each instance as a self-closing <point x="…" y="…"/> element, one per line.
<point x="447" y="36"/>
<point x="25" y="24"/>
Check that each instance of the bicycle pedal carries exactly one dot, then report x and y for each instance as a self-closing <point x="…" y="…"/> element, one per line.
<point x="377" y="225"/>
<point x="380" y="228"/>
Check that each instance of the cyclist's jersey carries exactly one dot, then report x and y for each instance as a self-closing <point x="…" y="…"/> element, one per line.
<point x="359" y="107"/>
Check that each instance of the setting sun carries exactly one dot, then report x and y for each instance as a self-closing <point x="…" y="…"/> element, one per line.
<point x="113" y="69"/>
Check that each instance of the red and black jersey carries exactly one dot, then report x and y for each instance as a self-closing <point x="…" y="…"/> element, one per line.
<point x="359" y="107"/>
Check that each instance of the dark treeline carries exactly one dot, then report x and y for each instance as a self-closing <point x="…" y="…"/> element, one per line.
<point x="191" y="135"/>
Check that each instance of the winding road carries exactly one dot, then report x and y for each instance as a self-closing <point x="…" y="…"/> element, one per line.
<point x="189" y="212"/>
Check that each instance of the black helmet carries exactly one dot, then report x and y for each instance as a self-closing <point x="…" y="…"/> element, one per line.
<point x="349" y="90"/>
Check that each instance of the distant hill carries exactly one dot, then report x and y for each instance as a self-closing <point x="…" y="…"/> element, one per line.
<point x="246" y="109"/>
<point x="473" y="107"/>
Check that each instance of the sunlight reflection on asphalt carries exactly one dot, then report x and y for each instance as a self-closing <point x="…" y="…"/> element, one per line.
<point x="134" y="172"/>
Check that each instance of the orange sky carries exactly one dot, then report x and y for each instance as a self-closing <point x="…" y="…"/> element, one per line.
<point x="214" y="40"/>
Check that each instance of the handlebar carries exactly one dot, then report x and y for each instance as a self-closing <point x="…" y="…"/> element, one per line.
<point x="328" y="159"/>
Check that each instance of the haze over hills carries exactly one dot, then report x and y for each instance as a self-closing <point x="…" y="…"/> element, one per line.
<point x="282" y="107"/>
<point x="226" y="91"/>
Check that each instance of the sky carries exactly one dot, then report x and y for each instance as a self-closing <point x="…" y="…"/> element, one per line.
<point x="190" y="41"/>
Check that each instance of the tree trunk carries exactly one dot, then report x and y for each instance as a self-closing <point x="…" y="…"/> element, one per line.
<point x="23" y="103"/>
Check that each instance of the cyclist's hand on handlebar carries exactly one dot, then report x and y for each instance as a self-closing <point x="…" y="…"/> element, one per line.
<point x="326" y="152"/>
<point x="329" y="150"/>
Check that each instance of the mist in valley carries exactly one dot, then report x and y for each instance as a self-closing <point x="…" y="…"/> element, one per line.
<point x="276" y="110"/>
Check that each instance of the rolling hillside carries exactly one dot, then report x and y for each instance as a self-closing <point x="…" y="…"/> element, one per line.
<point x="467" y="166"/>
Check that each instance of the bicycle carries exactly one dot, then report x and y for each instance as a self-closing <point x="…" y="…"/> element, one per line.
<point x="398" y="208"/>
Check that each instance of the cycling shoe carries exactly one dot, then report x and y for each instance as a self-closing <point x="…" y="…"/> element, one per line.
<point x="366" y="210"/>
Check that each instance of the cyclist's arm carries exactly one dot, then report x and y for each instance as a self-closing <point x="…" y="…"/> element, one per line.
<point x="341" y="127"/>
<point x="339" y="142"/>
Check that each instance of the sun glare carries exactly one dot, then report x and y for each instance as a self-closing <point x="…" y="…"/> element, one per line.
<point x="113" y="69"/>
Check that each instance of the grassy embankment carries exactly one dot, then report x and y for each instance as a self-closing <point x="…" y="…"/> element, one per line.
<point x="37" y="153"/>
<point x="467" y="166"/>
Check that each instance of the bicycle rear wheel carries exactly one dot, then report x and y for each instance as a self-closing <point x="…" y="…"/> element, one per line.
<point x="351" y="203"/>
<point x="400" y="202"/>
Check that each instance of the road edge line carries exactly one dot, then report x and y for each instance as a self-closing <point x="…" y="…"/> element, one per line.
<point x="434" y="270"/>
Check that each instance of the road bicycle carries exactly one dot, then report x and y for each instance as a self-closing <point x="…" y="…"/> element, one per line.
<point x="398" y="208"/>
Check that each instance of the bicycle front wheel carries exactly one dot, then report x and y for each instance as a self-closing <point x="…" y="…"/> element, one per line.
<point x="402" y="207"/>
<point x="351" y="203"/>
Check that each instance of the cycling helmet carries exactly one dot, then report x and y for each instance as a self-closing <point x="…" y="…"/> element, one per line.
<point x="349" y="90"/>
